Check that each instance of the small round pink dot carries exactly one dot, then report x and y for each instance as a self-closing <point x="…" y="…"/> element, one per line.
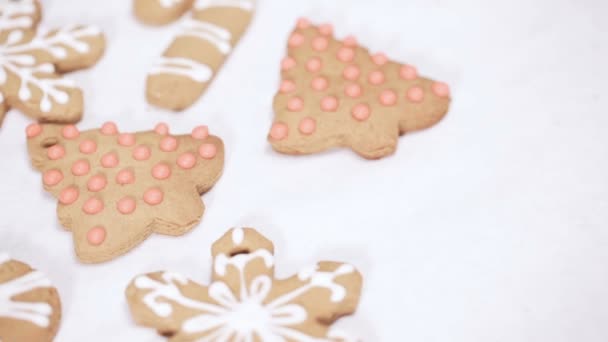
<point x="441" y="89"/>
<point x="109" y="128"/>
<point x="303" y="23"/>
<point x="350" y="41"/>
<point x="295" y="104"/>
<point x="319" y="83"/>
<point x="361" y="112"/>
<point x="388" y="97"/>
<point x="109" y="160"/>
<point x="287" y="86"/>
<point x="415" y="94"/>
<point x="351" y="73"/>
<point x="97" y="183"/>
<point x="168" y="144"/>
<point x="126" y="139"/>
<point x="380" y="58"/>
<point x="200" y="132"/>
<point x="33" y="130"/>
<point x="288" y="63"/>
<point x="96" y="236"/>
<point x="142" y="152"/>
<point x="88" y="146"/>
<point x="207" y="151"/>
<point x="81" y="167"/>
<point x="124" y="177"/>
<point x="326" y="29"/>
<point x="70" y="132"/>
<point x="346" y="54"/>
<point x="161" y="171"/>
<point x="376" y="77"/>
<point x="68" y="195"/>
<point x="92" y="206"/>
<point x="186" y="161"/>
<point x="126" y="205"/>
<point x="55" y="152"/>
<point x="307" y="126"/>
<point x="320" y="44"/>
<point x="353" y="90"/>
<point x="278" y="131"/>
<point x="314" y="64"/>
<point x="296" y="40"/>
<point x="329" y="104"/>
<point x="153" y="196"/>
<point x="408" y="72"/>
<point x="52" y="177"/>
<point x="161" y="128"/>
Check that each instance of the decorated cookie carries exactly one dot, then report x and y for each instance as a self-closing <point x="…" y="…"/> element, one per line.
<point x="30" y="309"/>
<point x="32" y="59"/>
<point x="115" y="189"/>
<point x="203" y="43"/>
<point x="245" y="302"/>
<point x="335" y="93"/>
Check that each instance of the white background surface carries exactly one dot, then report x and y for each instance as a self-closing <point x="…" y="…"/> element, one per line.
<point x="491" y="226"/>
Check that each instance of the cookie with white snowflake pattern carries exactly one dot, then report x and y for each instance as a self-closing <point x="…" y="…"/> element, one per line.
<point x="245" y="302"/>
<point x="336" y="94"/>
<point x="204" y="41"/>
<point x="30" y="309"/>
<point x="115" y="189"/>
<point x="32" y="60"/>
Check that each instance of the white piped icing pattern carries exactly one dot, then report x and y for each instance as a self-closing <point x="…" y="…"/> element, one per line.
<point x="246" y="5"/>
<point x="169" y="3"/>
<point x="16" y="14"/>
<point x="216" y="35"/>
<point x="181" y="66"/>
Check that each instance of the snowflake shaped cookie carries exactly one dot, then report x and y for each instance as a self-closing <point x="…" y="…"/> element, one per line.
<point x="245" y="302"/>
<point x="115" y="189"/>
<point x="32" y="59"/>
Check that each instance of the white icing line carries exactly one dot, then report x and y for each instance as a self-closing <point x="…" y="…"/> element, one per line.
<point x="237" y="236"/>
<point x="16" y="14"/>
<point x="246" y="5"/>
<point x="37" y="313"/>
<point x="169" y="3"/>
<point x="183" y="67"/>
<point x="216" y="35"/>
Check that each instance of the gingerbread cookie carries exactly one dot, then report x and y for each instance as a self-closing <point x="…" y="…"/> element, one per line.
<point x="115" y="189"/>
<point x="32" y="59"/>
<point x="202" y="45"/>
<point x="30" y="309"/>
<point x="335" y="93"/>
<point x="245" y="302"/>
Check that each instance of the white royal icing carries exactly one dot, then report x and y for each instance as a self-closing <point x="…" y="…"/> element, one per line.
<point x="182" y="67"/>
<point x="237" y="236"/>
<point x="247" y="5"/>
<point x="16" y="14"/>
<point x="216" y="35"/>
<point x="169" y="3"/>
<point x="37" y="313"/>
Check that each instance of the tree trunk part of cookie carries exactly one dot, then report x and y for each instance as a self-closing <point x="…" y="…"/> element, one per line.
<point x="160" y="12"/>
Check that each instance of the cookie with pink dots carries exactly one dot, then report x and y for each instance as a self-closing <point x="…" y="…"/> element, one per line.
<point x="335" y="93"/>
<point x="30" y="308"/>
<point x="245" y="302"/>
<point x="116" y="188"/>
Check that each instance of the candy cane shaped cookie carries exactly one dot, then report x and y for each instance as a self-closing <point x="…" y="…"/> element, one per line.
<point x="160" y="12"/>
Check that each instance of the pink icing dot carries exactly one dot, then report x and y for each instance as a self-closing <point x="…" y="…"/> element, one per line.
<point x="346" y="54"/>
<point x="153" y="196"/>
<point x="353" y="90"/>
<point x="200" y="132"/>
<point x="351" y="73"/>
<point x="295" y="104"/>
<point x="125" y="176"/>
<point x="320" y="44"/>
<point x="168" y="144"/>
<point x="81" y="167"/>
<point x="441" y="89"/>
<point x="307" y="126"/>
<point x="142" y="152"/>
<point x="380" y="58"/>
<point x="92" y="206"/>
<point x="326" y="29"/>
<point x="329" y="104"/>
<point x="52" y="177"/>
<point x="376" y="77"/>
<point x="68" y="195"/>
<point x="319" y="83"/>
<point x="126" y="139"/>
<point x="350" y="41"/>
<point x="109" y="128"/>
<point x="388" y="97"/>
<point x="278" y="131"/>
<point x="314" y="64"/>
<point x="207" y="151"/>
<point x="288" y="63"/>
<point x="88" y="146"/>
<point x="126" y="205"/>
<point x="55" y="152"/>
<point x="161" y="171"/>
<point x="287" y="86"/>
<point x="186" y="160"/>
<point x="33" y="130"/>
<point x="415" y="94"/>
<point x="296" y="39"/>
<point x="161" y="128"/>
<point x="408" y="72"/>
<point x="97" y="183"/>
<point x="96" y="236"/>
<point x="303" y="23"/>
<point x="109" y="160"/>
<point x="361" y="112"/>
<point x="70" y="132"/>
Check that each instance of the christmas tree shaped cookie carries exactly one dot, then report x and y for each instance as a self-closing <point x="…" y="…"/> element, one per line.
<point x="115" y="189"/>
<point x="245" y="302"/>
<point x="335" y="93"/>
